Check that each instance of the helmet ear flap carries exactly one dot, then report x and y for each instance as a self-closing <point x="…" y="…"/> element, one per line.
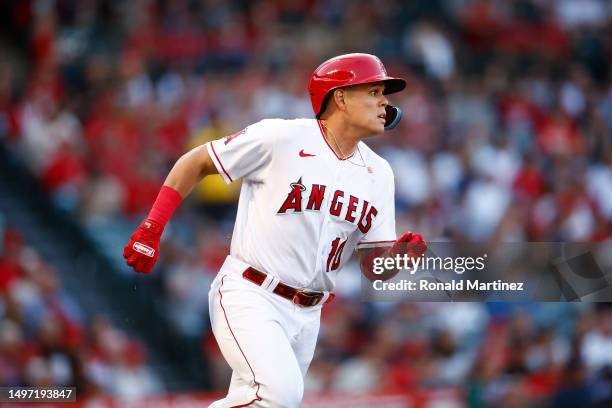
<point x="394" y="114"/>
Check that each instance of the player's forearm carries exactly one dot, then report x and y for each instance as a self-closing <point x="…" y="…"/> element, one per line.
<point x="388" y="273"/>
<point x="186" y="173"/>
<point x="142" y="250"/>
<point x="367" y="265"/>
<point x="189" y="169"/>
<point x="410" y="246"/>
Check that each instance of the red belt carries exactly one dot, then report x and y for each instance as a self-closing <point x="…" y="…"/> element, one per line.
<point x="297" y="296"/>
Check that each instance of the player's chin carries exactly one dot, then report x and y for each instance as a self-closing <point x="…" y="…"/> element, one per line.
<point x="377" y="127"/>
<point x="373" y="128"/>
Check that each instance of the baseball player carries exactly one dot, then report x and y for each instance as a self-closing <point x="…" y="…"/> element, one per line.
<point x="312" y="194"/>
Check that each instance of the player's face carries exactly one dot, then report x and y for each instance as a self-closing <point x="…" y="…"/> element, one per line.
<point x="366" y="107"/>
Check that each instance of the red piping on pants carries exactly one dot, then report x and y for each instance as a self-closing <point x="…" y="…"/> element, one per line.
<point x="257" y="397"/>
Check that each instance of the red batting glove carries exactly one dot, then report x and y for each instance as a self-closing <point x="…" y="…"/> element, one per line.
<point x="410" y="244"/>
<point x="143" y="249"/>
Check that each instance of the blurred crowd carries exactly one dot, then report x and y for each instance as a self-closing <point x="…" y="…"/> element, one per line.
<point x="45" y="340"/>
<point x="507" y="114"/>
<point x="528" y="355"/>
<point x="505" y="137"/>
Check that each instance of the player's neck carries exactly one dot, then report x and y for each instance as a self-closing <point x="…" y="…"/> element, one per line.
<point x="340" y="137"/>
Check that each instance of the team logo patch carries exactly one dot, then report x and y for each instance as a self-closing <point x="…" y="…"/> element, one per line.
<point x="235" y="135"/>
<point x="143" y="249"/>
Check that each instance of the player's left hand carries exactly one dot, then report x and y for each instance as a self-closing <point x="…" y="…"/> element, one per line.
<point x="413" y="245"/>
<point x="143" y="249"/>
<point x="410" y="244"/>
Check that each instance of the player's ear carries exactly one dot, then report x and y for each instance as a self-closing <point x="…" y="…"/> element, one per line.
<point x="340" y="98"/>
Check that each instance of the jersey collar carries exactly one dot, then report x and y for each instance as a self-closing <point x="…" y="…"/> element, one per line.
<point x="328" y="145"/>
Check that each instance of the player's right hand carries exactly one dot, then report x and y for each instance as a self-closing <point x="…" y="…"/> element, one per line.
<point x="143" y="249"/>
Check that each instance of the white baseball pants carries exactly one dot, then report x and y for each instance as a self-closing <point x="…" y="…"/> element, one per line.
<point x="267" y="340"/>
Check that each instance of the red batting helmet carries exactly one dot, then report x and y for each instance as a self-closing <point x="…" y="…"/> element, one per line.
<point x="347" y="70"/>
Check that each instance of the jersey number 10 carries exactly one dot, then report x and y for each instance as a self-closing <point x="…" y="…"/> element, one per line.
<point x="333" y="259"/>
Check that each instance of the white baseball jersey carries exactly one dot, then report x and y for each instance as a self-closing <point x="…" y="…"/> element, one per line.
<point x="303" y="210"/>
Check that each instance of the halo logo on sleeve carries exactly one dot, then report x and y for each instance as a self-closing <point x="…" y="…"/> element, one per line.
<point x="235" y="135"/>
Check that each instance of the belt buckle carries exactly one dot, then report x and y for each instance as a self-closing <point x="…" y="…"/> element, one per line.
<point x="313" y="298"/>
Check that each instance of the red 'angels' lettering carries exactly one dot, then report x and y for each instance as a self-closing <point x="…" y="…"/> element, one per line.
<point x="337" y="208"/>
<point x="294" y="198"/>
<point x="352" y="207"/>
<point x="316" y="197"/>
<point x="336" y="205"/>
<point x="365" y="226"/>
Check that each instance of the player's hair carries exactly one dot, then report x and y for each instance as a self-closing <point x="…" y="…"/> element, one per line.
<point x="326" y="100"/>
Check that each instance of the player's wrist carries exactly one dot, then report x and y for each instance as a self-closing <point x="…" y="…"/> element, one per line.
<point x="166" y="203"/>
<point x="151" y="226"/>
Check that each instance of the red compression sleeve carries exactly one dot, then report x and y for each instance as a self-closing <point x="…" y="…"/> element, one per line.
<point x="166" y="203"/>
